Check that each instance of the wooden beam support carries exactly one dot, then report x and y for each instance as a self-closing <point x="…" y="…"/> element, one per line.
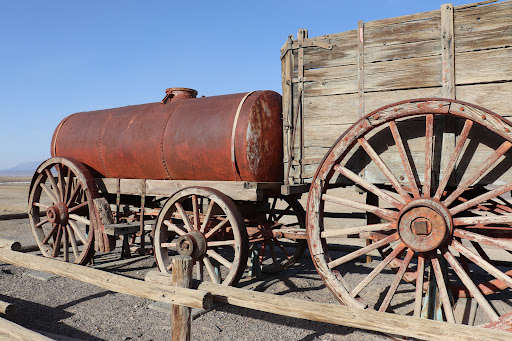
<point x="17" y="332"/>
<point x="182" y="296"/>
<point x="180" y="315"/>
<point x="338" y="314"/>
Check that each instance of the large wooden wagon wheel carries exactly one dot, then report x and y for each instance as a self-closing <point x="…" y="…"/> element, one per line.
<point x="61" y="210"/>
<point x="444" y="224"/>
<point x="206" y="225"/>
<point x="278" y="250"/>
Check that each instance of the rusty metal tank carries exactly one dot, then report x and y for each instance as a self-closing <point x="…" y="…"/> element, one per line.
<point x="234" y="137"/>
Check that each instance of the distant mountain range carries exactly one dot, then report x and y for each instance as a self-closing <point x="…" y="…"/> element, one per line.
<point x="23" y="169"/>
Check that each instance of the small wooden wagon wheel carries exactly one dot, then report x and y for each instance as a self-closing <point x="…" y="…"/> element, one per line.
<point x="206" y="225"/>
<point x="63" y="190"/>
<point x="443" y="208"/>
<point x="278" y="251"/>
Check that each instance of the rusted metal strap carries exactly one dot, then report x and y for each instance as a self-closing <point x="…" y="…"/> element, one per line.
<point x="304" y="44"/>
<point x="233" y="133"/>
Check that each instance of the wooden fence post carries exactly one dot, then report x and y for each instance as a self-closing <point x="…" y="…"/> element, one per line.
<point x="180" y="315"/>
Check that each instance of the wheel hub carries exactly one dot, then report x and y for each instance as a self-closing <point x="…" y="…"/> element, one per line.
<point x="58" y="214"/>
<point x="192" y="244"/>
<point x="424" y="224"/>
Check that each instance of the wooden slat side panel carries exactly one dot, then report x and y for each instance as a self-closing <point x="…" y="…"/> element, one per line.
<point x="342" y="109"/>
<point x="483" y="27"/>
<point x="420" y="49"/>
<point x="343" y="52"/>
<point x="484" y="66"/>
<point x="492" y="96"/>
<point x="404" y="19"/>
<point x="404" y="32"/>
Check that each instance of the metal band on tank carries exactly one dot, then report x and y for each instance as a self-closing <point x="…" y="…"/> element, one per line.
<point x="233" y="132"/>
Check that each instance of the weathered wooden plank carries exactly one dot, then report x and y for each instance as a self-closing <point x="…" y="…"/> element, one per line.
<point x="343" y="109"/>
<point x="403" y="32"/>
<point x="448" y="51"/>
<point x="342" y="315"/>
<point x="379" y="53"/>
<point x="343" y="52"/>
<point x="484" y="66"/>
<point x="492" y="96"/>
<point x="475" y="20"/>
<point x="390" y="75"/>
<point x="108" y="281"/>
<point x="287" y="85"/>
<point x="405" y="19"/>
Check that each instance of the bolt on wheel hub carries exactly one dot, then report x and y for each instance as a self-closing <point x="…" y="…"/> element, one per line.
<point x="424" y="224"/>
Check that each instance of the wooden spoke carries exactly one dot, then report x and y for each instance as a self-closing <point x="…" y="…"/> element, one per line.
<point x="68" y="185"/>
<point x="76" y="229"/>
<point x="381" y="212"/>
<point x="42" y="222"/>
<point x="211" y="270"/>
<point x="377" y="269"/>
<point x="74" y="194"/>
<point x="483" y="220"/>
<point x="184" y="217"/>
<point x="49" y="193"/>
<point x="54" y="185"/>
<point x="74" y="208"/>
<point x="405" y="159"/>
<point x="445" y="299"/>
<point x="398" y="277"/>
<point x="286" y="210"/>
<point x="482" y="169"/>
<point x="80" y="218"/>
<point x="475" y="237"/>
<point x="478" y="260"/>
<point x="216" y="228"/>
<point x="276" y="242"/>
<point x="44" y="207"/>
<point x="56" y="245"/>
<point x="174" y="228"/>
<point x="273" y="210"/>
<point x="453" y="159"/>
<point x="470" y="285"/>
<point x="54" y="229"/>
<point x="370" y="187"/>
<point x="363" y="251"/>
<point x="169" y="245"/>
<point x="384" y="169"/>
<point x="65" y="243"/>
<point x="221" y="243"/>
<point x="219" y="258"/>
<point x="356" y="230"/>
<point x="419" y="285"/>
<point x="429" y="148"/>
<point x="195" y="211"/>
<point x="60" y="177"/>
<point x="169" y="267"/>
<point x="208" y="216"/>
<point x="481" y="198"/>
<point x="74" y="244"/>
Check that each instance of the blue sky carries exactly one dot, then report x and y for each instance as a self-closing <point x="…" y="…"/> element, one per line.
<point x="61" y="57"/>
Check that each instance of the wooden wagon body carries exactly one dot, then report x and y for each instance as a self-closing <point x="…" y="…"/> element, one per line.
<point x="331" y="81"/>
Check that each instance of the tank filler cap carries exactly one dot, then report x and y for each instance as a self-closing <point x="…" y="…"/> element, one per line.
<point x="178" y="93"/>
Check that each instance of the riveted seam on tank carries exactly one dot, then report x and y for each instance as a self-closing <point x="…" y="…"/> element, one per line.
<point x="162" y="155"/>
<point x="100" y="146"/>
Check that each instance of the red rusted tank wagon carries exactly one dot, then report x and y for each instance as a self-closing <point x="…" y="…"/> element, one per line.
<point x="219" y="177"/>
